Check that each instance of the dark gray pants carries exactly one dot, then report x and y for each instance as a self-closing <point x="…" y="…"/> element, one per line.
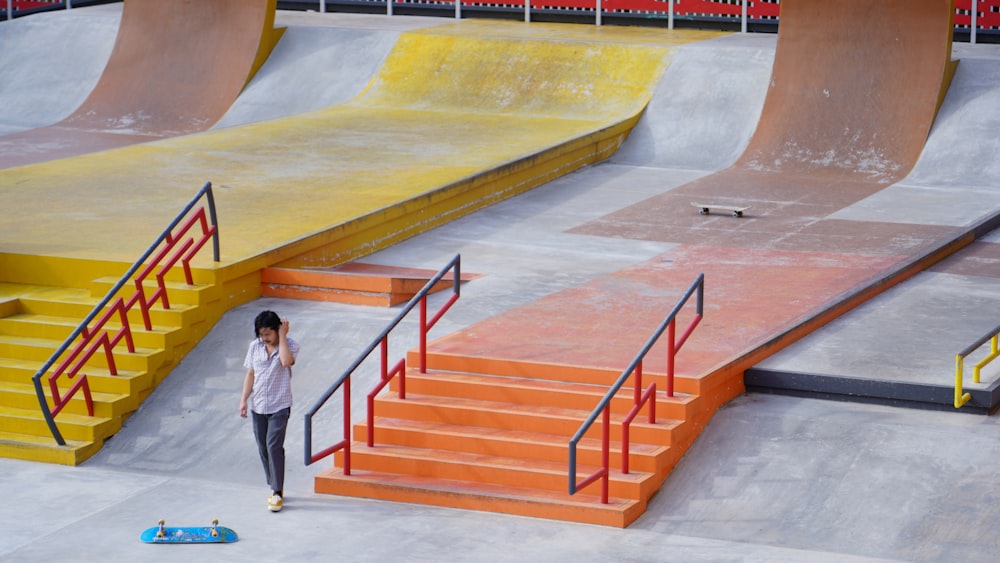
<point x="269" y="430"/>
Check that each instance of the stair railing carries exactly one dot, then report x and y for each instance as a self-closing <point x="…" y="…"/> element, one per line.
<point x="173" y="247"/>
<point x="641" y="397"/>
<point x="386" y="373"/>
<point x="991" y="337"/>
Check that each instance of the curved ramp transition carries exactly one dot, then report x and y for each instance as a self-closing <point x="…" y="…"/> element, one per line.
<point x="426" y="143"/>
<point x="175" y="69"/>
<point x="848" y="110"/>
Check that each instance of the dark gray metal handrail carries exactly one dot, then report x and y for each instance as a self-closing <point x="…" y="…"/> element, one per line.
<point x="205" y="191"/>
<point x="603" y="406"/>
<point x="345" y="381"/>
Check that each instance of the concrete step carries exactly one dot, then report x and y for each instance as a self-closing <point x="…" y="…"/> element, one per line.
<point x="60" y="328"/>
<point x="354" y="283"/>
<point x="40" y="349"/>
<point x="72" y="426"/>
<point x="509" y="416"/>
<point x="178" y="315"/>
<point x="528" y="391"/>
<point x="497" y="470"/>
<point x="487" y="365"/>
<point x="106" y="405"/>
<point x="178" y="292"/>
<point x="29" y="447"/>
<point x="584" y="508"/>
<point x="509" y="443"/>
<point x="126" y="382"/>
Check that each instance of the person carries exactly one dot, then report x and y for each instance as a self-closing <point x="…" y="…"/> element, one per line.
<point x="267" y="394"/>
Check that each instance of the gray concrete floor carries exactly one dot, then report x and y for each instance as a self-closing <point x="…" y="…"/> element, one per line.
<point x="771" y="478"/>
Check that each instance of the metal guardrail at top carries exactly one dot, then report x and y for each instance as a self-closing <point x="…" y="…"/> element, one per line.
<point x="382" y="341"/>
<point x="985" y="18"/>
<point x="95" y="338"/>
<point x="15" y="6"/>
<point x="640" y="396"/>
<point x="992" y="337"/>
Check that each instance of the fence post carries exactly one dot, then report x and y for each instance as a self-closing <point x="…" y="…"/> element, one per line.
<point x="972" y="26"/>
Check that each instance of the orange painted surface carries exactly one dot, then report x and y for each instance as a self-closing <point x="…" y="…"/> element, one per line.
<point x="847" y="113"/>
<point x="854" y="89"/>
<point x="175" y="69"/>
<point x="353" y="283"/>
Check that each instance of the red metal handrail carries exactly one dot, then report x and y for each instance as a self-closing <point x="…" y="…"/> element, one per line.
<point x="173" y="247"/>
<point x="386" y="373"/>
<point x="640" y="398"/>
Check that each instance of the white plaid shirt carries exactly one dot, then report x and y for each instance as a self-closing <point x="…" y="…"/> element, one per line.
<point x="272" y="382"/>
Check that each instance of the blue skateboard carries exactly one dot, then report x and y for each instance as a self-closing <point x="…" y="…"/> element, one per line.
<point x="191" y="534"/>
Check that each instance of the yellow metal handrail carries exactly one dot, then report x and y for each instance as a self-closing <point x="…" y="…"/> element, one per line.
<point x="993" y="337"/>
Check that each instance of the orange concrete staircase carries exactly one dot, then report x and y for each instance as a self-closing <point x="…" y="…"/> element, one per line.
<point x="353" y="283"/>
<point x="466" y="436"/>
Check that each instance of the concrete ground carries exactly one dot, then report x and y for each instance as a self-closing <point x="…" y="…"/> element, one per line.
<point x="771" y="478"/>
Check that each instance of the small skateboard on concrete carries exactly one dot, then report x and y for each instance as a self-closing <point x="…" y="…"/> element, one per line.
<point x="190" y="534"/>
<point x="706" y="207"/>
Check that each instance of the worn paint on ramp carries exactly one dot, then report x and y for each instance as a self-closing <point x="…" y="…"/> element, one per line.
<point x="389" y="154"/>
<point x="175" y="69"/>
<point x="848" y="110"/>
<point x="855" y="88"/>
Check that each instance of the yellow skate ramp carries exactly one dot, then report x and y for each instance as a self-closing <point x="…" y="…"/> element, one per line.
<point x="454" y="121"/>
<point x="459" y="117"/>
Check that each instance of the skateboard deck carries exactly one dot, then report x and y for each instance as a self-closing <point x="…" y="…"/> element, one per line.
<point x="706" y="208"/>
<point x="190" y="534"/>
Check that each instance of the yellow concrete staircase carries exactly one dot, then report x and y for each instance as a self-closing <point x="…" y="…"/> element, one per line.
<point x="36" y="320"/>
<point x="471" y="434"/>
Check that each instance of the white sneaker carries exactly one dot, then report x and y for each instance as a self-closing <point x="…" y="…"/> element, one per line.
<point x="274" y="503"/>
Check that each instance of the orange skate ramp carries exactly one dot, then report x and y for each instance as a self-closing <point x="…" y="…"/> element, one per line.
<point x="175" y="69"/>
<point x="854" y="91"/>
<point x="854" y="88"/>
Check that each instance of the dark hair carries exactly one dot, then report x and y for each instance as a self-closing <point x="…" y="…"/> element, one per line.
<point x="267" y="319"/>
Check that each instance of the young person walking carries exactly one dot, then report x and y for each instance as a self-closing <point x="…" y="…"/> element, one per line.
<point x="267" y="394"/>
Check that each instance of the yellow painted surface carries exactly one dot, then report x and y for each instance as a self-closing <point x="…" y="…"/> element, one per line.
<point x="460" y="116"/>
<point x="268" y="39"/>
<point x="450" y="103"/>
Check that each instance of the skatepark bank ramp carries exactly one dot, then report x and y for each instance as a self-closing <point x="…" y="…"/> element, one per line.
<point x="848" y="111"/>
<point x="176" y="68"/>
<point x="457" y="122"/>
